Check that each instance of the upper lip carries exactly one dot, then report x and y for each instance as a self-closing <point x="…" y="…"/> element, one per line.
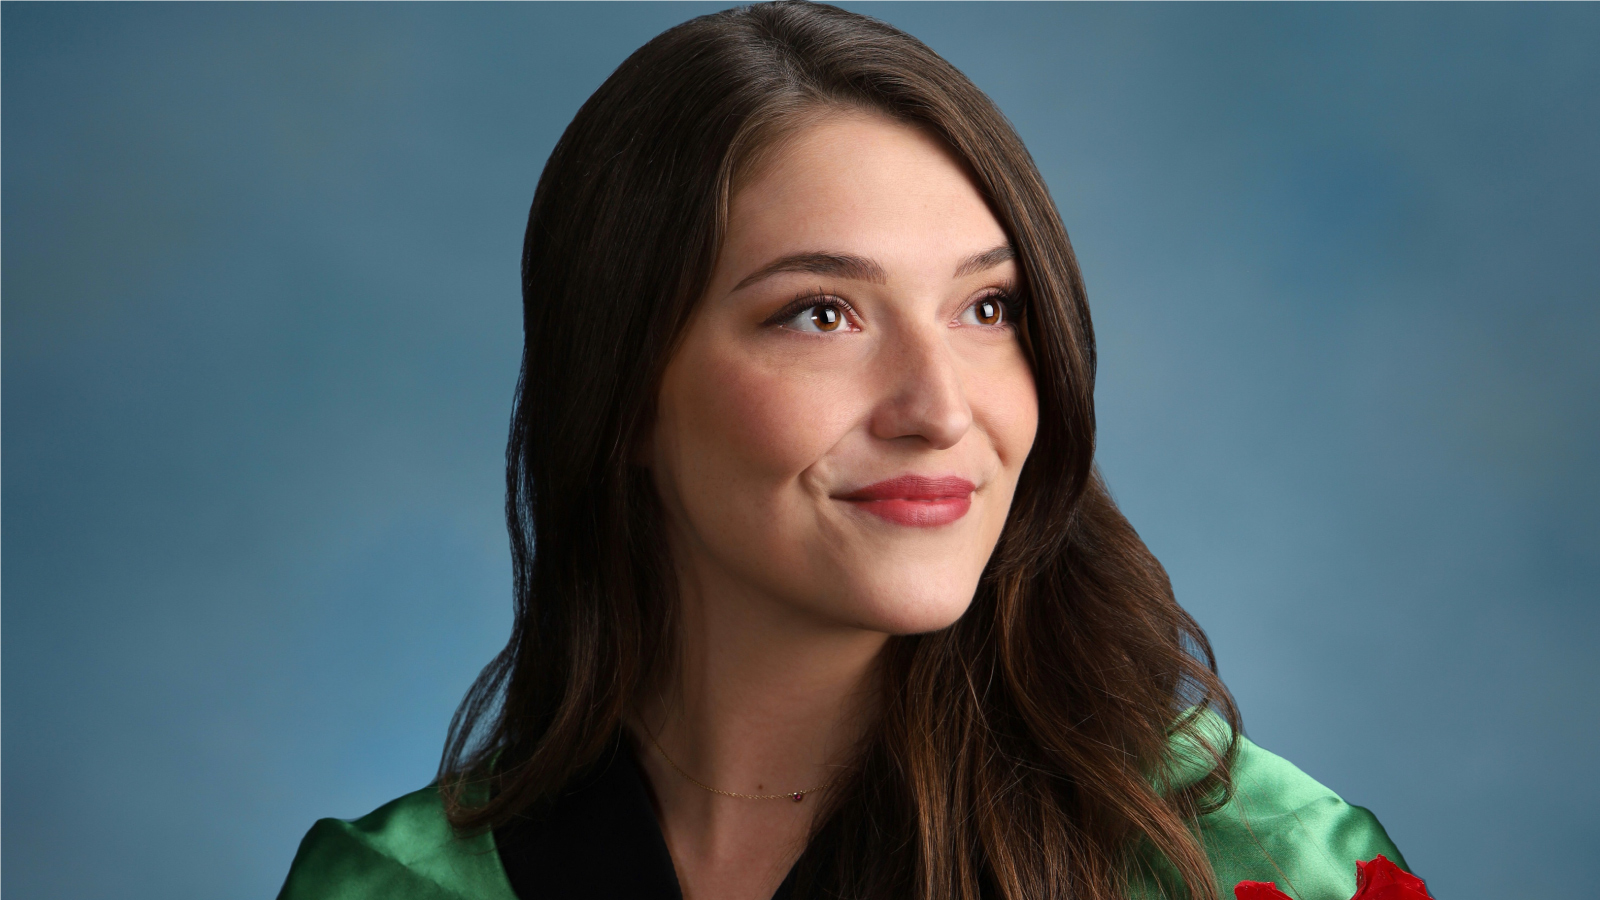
<point x="914" y="487"/>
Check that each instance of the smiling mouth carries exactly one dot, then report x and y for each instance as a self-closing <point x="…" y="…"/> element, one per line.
<point x="915" y="501"/>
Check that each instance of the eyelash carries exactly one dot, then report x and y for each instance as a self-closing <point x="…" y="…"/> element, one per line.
<point x="806" y="301"/>
<point x="1005" y="295"/>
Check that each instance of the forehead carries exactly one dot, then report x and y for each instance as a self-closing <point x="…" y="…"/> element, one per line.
<point x="859" y="182"/>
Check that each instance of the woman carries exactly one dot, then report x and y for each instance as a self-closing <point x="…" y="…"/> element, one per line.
<point x="818" y="592"/>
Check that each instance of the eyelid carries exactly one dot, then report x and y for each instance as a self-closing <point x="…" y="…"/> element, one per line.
<point x="1005" y="295"/>
<point x="806" y="301"/>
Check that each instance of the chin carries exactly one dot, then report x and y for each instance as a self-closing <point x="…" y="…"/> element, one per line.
<point x="910" y="607"/>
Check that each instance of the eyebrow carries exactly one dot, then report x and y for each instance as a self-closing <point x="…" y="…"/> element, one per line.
<point x="841" y="265"/>
<point x="859" y="268"/>
<point x="988" y="259"/>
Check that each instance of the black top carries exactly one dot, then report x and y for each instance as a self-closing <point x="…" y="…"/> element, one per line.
<point x="599" y="839"/>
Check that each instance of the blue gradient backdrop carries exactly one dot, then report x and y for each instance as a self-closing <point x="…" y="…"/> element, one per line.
<point x="261" y="331"/>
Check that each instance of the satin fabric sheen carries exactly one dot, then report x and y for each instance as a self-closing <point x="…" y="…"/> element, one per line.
<point x="1280" y="826"/>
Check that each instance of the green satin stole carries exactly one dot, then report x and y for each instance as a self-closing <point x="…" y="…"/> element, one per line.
<point x="1280" y="826"/>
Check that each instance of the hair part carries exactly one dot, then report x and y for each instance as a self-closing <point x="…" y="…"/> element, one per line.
<point x="1022" y="752"/>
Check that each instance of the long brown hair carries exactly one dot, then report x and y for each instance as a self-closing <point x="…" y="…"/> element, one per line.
<point x="1021" y="752"/>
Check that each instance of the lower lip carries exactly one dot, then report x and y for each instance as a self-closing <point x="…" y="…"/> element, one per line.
<point x="917" y="513"/>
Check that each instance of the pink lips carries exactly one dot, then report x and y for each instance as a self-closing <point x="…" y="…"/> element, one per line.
<point x="915" y="501"/>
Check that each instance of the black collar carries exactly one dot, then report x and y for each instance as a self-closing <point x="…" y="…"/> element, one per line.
<point x="599" y="840"/>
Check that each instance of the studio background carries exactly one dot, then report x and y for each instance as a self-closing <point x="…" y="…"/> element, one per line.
<point x="261" y="330"/>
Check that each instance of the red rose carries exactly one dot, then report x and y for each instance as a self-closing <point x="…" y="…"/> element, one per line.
<point x="1383" y="880"/>
<point x="1376" y="880"/>
<point x="1257" y="890"/>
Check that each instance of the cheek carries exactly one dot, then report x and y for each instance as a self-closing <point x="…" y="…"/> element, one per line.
<point x="1022" y="424"/>
<point x="747" y="425"/>
<point x="1007" y="402"/>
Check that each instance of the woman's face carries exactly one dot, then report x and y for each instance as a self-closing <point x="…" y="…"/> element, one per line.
<point x="841" y="430"/>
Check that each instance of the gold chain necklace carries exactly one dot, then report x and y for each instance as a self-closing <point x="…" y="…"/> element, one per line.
<point x="797" y="796"/>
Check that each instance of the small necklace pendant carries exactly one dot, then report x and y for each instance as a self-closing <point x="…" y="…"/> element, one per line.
<point x="798" y="796"/>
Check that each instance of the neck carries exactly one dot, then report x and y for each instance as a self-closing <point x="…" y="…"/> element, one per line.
<point x="763" y="700"/>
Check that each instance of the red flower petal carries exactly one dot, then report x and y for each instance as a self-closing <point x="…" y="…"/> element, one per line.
<point x="1381" y="879"/>
<point x="1258" y="890"/>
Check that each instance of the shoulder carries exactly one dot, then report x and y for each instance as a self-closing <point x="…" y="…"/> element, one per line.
<point x="1281" y="825"/>
<point x="404" y="850"/>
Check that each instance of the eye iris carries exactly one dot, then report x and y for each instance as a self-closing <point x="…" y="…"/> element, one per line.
<point x="826" y="318"/>
<point x="988" y="312"/>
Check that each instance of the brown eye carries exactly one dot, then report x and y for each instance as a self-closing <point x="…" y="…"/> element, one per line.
<point x="826" y="318"/>
<point x="988" y="311"/>
<point x="816" y="314"/>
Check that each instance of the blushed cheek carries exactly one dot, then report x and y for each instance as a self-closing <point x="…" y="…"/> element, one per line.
<point x="1023" y="427"/>
<point x="1008" y="405"/>
<point x="736" y="435"/>
<point x="768" y="424"/>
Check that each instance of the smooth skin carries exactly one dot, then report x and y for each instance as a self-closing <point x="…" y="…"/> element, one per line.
<point x="854" y="330"/>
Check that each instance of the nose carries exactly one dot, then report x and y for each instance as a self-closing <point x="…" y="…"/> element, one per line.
<point x="923" y="394"/>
